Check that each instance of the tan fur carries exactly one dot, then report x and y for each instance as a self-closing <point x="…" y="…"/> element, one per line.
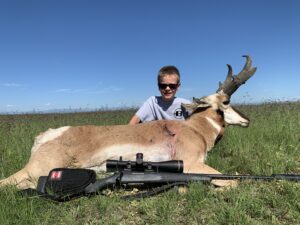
<point x="89" y="146"/>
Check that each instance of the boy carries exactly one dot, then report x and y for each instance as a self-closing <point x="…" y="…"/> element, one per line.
<point x="166" y="106"/>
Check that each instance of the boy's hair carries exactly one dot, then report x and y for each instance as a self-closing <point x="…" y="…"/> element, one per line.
<point x="167" y="70"/>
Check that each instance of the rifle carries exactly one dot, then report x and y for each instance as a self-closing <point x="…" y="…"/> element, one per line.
<point x="63" y="184"/>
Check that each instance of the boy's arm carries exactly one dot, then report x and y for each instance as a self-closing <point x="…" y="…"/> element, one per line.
<point x="134" y="120"/>
<point x="145" y="113"/>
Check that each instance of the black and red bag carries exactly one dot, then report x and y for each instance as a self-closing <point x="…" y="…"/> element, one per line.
<point x="64" y="183"/>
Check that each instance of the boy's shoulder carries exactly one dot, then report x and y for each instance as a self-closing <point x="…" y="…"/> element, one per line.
<point x="182" y="100"/>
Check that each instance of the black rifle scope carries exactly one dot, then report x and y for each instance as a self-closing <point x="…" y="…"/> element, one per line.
<point x="173" y="166"/>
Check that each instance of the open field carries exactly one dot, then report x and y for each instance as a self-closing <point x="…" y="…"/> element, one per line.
<point x="270" y="145"/>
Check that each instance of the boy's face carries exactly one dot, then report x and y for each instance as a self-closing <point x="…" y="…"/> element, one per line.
<point x="168" y="86"/>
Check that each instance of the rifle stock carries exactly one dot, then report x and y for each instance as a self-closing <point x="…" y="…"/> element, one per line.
<point x="106" y="183"/>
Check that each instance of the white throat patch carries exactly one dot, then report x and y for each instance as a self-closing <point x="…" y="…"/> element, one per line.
<point x="214" y="124"/>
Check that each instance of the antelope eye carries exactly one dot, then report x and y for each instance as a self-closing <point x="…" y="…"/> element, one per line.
<point x="226" y="102"/>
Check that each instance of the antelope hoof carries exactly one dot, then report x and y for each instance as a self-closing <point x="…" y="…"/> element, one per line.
<point x="225" y="183"/>
<point x="182" y="190"/>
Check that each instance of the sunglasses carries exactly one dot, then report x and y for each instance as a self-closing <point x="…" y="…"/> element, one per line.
<point x="164" y="86"/>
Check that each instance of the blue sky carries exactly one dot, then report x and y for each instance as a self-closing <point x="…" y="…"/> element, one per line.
<point x="94" y="54"/>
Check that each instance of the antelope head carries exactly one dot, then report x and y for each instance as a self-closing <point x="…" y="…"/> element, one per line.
<point x="220" y="101"/>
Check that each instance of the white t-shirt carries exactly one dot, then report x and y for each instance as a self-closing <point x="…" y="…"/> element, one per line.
<point x="154" y="108"/>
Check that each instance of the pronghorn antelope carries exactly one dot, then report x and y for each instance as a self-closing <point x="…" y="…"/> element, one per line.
<point x="189" y="140"/>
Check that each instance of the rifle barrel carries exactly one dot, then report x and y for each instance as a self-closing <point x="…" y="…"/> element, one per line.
<point x="189" y="177"/>
<point x="289" y="177"/>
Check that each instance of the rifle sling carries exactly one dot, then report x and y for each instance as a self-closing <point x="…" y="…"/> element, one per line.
<point x="153" y="191"/>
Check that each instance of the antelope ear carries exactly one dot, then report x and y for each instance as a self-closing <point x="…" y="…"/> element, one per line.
<point x="201" y="102"/>
<point x="196" y="104"/>
<point x="190" y="107"/>
<point x="196" y="100"/>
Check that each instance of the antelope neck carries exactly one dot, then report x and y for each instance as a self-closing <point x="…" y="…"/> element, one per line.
<point x="214" y="118"/>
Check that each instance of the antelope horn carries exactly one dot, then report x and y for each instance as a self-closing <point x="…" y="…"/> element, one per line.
<point x="233" y="82"/>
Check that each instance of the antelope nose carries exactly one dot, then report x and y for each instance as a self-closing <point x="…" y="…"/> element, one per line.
<point x="245" y="123"/>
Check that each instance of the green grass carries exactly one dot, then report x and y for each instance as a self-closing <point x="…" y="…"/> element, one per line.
<point x="270" y="145"/>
